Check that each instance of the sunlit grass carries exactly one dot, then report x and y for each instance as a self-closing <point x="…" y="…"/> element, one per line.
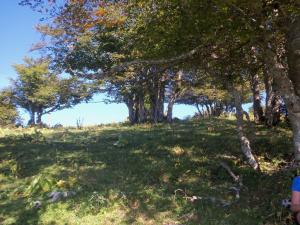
<point x="129" y="174"/>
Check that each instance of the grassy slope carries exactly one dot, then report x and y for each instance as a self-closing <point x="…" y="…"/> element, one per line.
<point x="134" y="182"/>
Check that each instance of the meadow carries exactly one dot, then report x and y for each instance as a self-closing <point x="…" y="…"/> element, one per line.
<point x="142" y="174"/>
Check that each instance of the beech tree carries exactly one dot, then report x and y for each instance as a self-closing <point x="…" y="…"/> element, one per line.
<point x="40" y="91"/>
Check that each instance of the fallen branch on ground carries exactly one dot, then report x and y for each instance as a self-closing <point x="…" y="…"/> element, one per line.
<point x="213" y="200"/>
<point x="236" y="178"/>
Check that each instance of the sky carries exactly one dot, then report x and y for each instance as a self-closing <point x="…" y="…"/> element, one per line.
<point x="17" y="36"/>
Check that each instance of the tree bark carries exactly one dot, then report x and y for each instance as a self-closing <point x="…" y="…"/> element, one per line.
<point x="170" y="108"/>
<point x="276" y="104"/>
<point x="208" y="110"/>
<point x="31" y="121"/>
<point x="153" y="107"/>
<point x="288" y="81"/>
<point x="268" y="82"/>
<point x="245" y="143"/>
<point x="292" y="88"/>
<point x="175" y="85"/>
<point x="161" y="100"/>
<point x="257" y="109"/>
<point x="131" y="111"/>
<point x="247" y="116"/>
<point x="286" y="89"/>
<point x="39" y="119"/>
<point x="153" y="90"/>
<point x="142" y="111"/>
<point x="201" y="114"/>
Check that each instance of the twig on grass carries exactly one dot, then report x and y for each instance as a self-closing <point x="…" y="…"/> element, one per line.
<point x="194" y="198"/>
<point x="237" y="179"/>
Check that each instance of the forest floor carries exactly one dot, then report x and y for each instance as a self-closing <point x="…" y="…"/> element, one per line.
<point x="141" y="174"/>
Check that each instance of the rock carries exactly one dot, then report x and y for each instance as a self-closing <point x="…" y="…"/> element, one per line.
<point x="37" y="204"/>
<point x="59" y="195"/>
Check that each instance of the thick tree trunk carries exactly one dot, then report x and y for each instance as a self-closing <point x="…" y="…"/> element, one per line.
<point x="142" y="111"/>
<point x="153" y="107"/>
<point x="295" y="121"/>
<point x="153" y="93"/>
<point x="288" y="82"/>
<point x="131" y="110"/>
<point x="157" y="97"/>
<point x="272" y="112"/>
<point x="268" y="81"/>
<point x="257" y="109"/>
<point x="245" y="143"/>
<point x="276" y="104"/>
<point x="292" y="89"/>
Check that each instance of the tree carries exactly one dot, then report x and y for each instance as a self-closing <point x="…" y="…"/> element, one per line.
<point x="40" y="91"/>
<point x="8" y="112"/>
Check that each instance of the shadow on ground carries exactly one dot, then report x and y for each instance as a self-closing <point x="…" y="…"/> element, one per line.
<point x="128" y="175"/>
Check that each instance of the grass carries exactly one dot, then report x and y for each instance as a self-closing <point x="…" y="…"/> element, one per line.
<point x="129" y="174"/>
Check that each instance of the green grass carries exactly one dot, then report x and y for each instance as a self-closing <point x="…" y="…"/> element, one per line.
<point x="128" y="174"/>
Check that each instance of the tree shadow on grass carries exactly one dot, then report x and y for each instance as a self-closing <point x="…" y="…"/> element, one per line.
<point x="20" y="213"/>
<point x="142" y="174"/>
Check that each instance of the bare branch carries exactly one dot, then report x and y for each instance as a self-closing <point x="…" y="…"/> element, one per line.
<point x="236" y="178"/>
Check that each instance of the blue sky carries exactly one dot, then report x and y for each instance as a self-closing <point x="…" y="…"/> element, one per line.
<point x="17" y="36"/>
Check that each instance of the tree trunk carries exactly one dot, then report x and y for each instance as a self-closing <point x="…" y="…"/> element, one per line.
<point x="295" y="121"/>
<point x="208" y="110"/>
<point x="276" y="104"/>
<point x="136" y="108"/>
<point x="31" y="121"/>
<point x="245" y="143"/>
<point x="288" y="82"/>
<point x="175" y="85"/>
<point x="153" y="108"/>
<point x="212" y="109"/>
<point x="268" y="81"/>
<point x="161" y="100"/>
<point x="292" y="88"/>
<point x="257" y="109"/>
<point x="39" y="119"/>
<point x="247" y="116"/>
<point x="153" y="94"/>
<point x="142" y="111"/>
<point x="198" y="109"/>
<point x="131" y="111"/>
<point x="170" y="108"/>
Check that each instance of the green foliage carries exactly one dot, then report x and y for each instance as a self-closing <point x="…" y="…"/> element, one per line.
<point x="40" y="184"/>
<point x="8" y="112"/>
<point x="41" y="91"/>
